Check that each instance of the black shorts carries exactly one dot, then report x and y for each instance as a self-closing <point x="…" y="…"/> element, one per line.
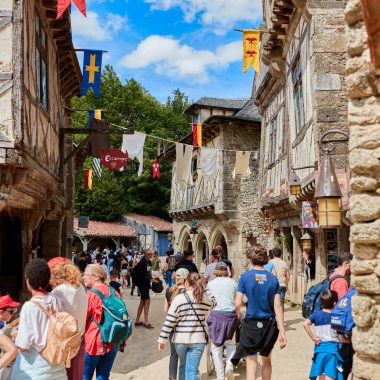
<point x="144" y="292"/>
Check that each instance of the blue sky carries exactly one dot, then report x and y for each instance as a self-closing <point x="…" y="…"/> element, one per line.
<point x="169" y="44"/>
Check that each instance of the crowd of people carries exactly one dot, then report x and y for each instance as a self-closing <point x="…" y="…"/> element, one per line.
<point x="239" y="320"/>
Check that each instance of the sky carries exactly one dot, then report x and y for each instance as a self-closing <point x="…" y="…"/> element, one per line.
<point x="170" y="44"/>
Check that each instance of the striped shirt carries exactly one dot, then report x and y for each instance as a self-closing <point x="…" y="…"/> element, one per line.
<point x="184" y="322"/>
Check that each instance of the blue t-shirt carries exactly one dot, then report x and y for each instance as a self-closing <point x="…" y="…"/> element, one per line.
<point x="322" y="326"/>
<point x="260" y="287"/>
<point x="269" y="266"/>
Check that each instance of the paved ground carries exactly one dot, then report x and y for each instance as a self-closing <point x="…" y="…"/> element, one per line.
<point x="142" y="361"/>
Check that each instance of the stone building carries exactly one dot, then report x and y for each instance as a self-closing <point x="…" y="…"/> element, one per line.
<point x="363" y="89"/>
<point x="225" y="208"/>
<point x="39" y="73"/>
<point x="300" y="93"/>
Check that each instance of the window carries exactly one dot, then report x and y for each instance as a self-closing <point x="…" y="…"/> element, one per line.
<point x="41" y="65"/>
<point x="194" y="167"/>
<point x="272" y="140"/>
<point x="298" y="96"/>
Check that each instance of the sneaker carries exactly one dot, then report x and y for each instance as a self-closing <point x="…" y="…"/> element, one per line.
<point x="230" y="374"/>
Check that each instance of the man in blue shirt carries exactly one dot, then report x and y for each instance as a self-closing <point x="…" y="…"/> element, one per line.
<point x="260" y="330"/>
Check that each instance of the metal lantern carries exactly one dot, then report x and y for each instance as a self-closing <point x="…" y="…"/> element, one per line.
<point x="295" y="184"/>
<point x="170" y="236"/>
<point x="328" y="194"/>
<point x="306" y="241"/>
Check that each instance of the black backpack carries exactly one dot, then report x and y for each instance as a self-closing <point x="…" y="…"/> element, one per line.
<point x="157" y="287"/>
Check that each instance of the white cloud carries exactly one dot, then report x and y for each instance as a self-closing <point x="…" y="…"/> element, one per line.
<point x="220" y="15"/>
<point x="98" y="28"/>
<point x="169" y="58"/>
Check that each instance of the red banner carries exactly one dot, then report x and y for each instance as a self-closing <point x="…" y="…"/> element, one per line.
<point x="63" y="4"/>
<point x="156" y="169"/>
<point x="113" y="159"/>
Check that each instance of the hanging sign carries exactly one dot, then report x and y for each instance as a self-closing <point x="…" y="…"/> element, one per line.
<point x="309" y="215"/>
<point x="113" y="159"/>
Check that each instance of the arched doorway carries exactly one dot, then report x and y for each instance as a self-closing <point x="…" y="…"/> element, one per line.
<point x="202" y="251"/>
<point x="221" y="240"/>
<point x="186" y="242"/>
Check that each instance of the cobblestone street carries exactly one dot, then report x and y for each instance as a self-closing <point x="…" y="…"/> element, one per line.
<point x="142" y="361"/>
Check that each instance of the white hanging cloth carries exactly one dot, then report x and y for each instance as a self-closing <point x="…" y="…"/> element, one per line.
<point x="209" y="163"/>
<point x="184" y="155"/>
<point x="242" y="164"/>
<point x="134" y="145"/>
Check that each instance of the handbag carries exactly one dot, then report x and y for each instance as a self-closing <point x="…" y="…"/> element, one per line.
<point x="199" y="320"/>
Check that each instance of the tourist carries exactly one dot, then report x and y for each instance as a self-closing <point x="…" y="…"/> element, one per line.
<point x="327" y="363"/>
<point x="75" y="258"/>
<point x="225" y="259"/>
<point x="110" y="258"/>
<point x="99" y="261"/>
<point x="281" y="270"/>
<point x="99" y="355"/>
<point x="114" y="276"/>
<point x="209" y="271"/>
<point x="33" y="326"/>
<point x="84" y="259"/>
<point x="269" y="266"/>
<point x="66" y="283"/>
<point x="124" y="268"/>
<point x="8" y="308"/>
<point x="223" y="320"/>
<point x="263" y="308"/>
<point x="170" y="264"/>
<point x="309" y="265"/>
<point x="186" y="317"/>
<point x="186" y="262"/>
<point x="142" y="277"/>
<point x="118" y="259"/>
<point x="341" y="284"/>
<point x="178" y="288"/>
<point x="156" y="265"/>
<point x="136" y="260"/>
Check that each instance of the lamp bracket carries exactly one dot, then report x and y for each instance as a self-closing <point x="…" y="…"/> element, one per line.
<point x="329" y="147"/>
<point x="315" y="166"/>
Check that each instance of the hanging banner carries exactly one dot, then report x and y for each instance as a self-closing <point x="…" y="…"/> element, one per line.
<point x="96" y="168"/>
<point x="251" y="50"/>
<point x="63" y="4"/>
<point x="92" y="70"/>
<point x="156" y="169"/>
<point x="88" y="179"/>
<point x="197" y="135"/>
<point x="309" y="215"/>
<point x="98" y="141"/>
<point x="113" y="159"/>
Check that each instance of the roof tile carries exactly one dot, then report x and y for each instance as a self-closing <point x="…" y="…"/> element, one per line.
<point x="151" y="221"/>
<point x="104" y="229"/>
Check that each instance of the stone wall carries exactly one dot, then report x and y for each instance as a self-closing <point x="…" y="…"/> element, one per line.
<point x="363" y="88"/>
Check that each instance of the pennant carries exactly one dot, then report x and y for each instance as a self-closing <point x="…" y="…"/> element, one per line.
<point x="251" y="50"/>
<point x="88" y="179"/>
<point x="98" y="141"/>
<point x="156" y="169"/>
<point x="113" y="159"/>
<point x="197" y="135"/>
<point x="134" y="145"/>
<point x="92" y="70"/>
<point x="63" y="4"/>
<point x="96" y="168"/>
<point x="98" y="114"/>
<point x="91" y="115"/>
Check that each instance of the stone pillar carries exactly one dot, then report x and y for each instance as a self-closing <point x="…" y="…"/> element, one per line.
<point x="51" y="239"/>
<point x="364" y="123"/>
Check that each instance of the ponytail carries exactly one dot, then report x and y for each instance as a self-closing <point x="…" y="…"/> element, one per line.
<point x="195" y="281"/>
<point x="174" y="290"/>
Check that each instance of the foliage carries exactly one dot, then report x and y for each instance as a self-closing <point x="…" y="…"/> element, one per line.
<point x="131" y="106"/>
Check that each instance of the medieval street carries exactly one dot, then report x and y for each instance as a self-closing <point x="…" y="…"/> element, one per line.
<point x="189" y="189"/>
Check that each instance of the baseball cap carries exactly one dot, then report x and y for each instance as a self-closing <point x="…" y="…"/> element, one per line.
<point x="219" y="248"/>
<point x="182" y="273"/>
<point x="56" y="260"/>
<point x="7" y="301"/>
<point x="221" y="266"/>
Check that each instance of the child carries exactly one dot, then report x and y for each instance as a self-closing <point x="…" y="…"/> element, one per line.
<point x="114" y="275"/>
<point x="327" y="363"/>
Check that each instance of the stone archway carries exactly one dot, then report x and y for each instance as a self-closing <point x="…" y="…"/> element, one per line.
<point x="185" y="241"/>
<point x="201" y="248"/>
<point x="218" y="238"/>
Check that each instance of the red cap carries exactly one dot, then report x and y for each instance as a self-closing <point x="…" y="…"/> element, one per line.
<point x="7" y="301"/>
<point x="56" y="260"/>
<point x="219" y="247"/>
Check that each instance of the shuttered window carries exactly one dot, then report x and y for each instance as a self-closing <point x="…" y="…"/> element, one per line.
<point x="298" y="96"/>
<point x="41" y="65"/>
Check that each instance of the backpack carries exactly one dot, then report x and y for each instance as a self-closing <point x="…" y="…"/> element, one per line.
<point x="341" y="315"/>
<point x="311" y="301"/>
<point x="63" y="339"/>
<point x="172" y="261"/>
<point x="115" y="324"/>
<point x="157" y="287"/>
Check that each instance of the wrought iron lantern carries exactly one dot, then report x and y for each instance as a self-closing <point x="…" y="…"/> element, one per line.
<point x="295" y="184"/>
<point x="306" y="241"/>
<point x="171" y="236"/>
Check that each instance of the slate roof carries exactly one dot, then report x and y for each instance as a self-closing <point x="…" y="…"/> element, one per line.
<point x="248" y="112"/>
<point x="151" y="221"/>
<point x="104" y="229"/>
<point x="231" y="104"/>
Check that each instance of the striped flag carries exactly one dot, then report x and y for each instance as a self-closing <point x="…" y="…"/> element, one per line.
<point x="197" y="135"/>
<point x="88" y="179"/>
<point x="96" y="168"/>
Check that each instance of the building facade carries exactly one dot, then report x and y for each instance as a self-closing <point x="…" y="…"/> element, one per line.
<point x="225" y="208"/>
<point x="363" y="78"/>
<point x="300" y="93"/>
<point x="39" y="73"/>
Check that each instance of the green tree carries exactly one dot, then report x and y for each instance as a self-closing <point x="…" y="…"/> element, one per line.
<point x="131" y="106"/>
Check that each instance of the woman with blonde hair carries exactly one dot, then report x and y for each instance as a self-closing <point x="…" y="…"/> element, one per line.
<point x="99" y="355"/>
<point x="67" y="287"/>
<point x="179" y="287"/>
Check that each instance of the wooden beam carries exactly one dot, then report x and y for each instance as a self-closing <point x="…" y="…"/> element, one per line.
<point x="90" y="131"/>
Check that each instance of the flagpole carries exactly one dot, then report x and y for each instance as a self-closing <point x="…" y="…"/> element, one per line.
<point x="103" y="51"/>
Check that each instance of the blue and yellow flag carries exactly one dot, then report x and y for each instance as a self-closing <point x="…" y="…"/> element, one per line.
<point x="92" y="70"/>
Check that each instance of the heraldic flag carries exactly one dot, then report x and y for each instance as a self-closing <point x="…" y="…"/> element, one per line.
<point x="251" y="49"/>
<point x="92" y="70"/>
<point x="197" y="134"/>
<point x="63" y="4"/>
<point x="87" y="179"/>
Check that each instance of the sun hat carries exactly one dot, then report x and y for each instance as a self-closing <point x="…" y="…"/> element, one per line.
<point x="182" y="273"/>
<point x="7" y="301"/>
<point x="56" y="260"/>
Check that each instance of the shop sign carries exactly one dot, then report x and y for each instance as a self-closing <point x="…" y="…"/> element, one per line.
<point x="309" y="215"/>
<point x="113" y="159"/>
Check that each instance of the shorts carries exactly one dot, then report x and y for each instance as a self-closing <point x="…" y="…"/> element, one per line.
<point x="144" y="293"/>
<point x="124" y="272"/>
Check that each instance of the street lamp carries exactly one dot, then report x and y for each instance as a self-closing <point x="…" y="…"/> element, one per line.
<point x="295" y="184"/>
<point x="328" y="191"/>
<point x="306" y="241"/>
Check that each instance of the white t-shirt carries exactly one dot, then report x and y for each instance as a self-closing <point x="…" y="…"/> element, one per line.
<point x="33" y="326"/>
<point x="224" y="290"/>
<point x="209" y="271"/>
<point x="74" y="302"/>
